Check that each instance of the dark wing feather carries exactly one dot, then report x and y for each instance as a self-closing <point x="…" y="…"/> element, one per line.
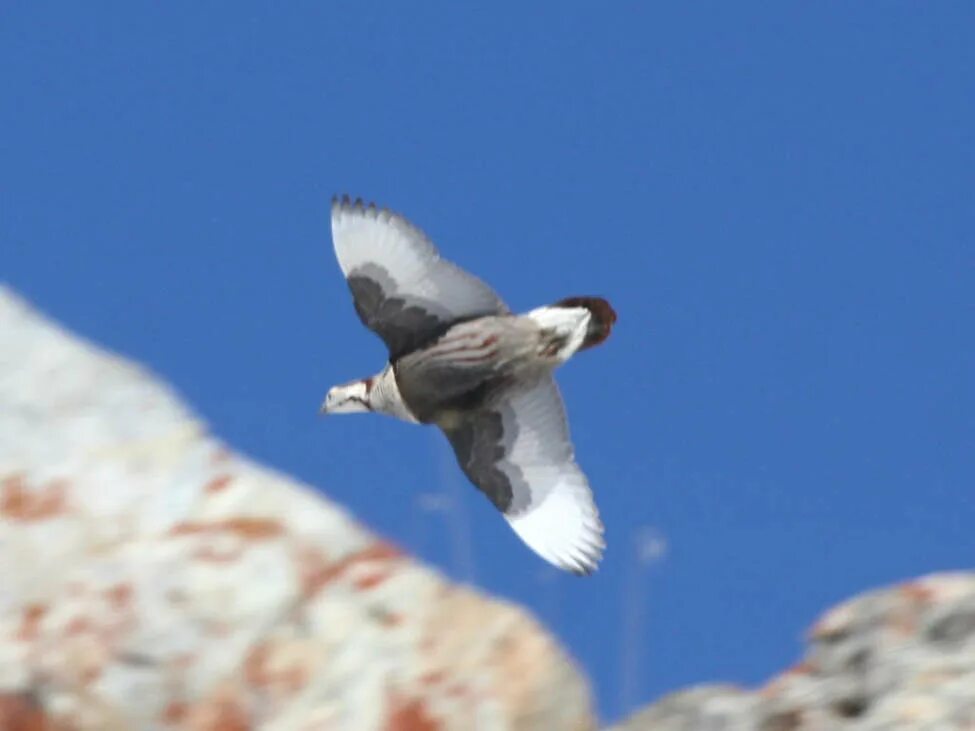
<point x="403" y="290"/>
<point x="517" y="450"/>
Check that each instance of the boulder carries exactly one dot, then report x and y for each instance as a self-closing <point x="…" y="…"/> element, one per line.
<point x="154" y="579"/>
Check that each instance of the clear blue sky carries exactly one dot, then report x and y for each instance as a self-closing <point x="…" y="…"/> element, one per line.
<point x="777" y="198"/>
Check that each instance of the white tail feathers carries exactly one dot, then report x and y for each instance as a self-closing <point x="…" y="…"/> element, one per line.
<point x="563" y="330"/>
<point x="602" y="317"/>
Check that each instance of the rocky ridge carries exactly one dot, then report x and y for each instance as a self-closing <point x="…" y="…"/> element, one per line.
<point x="153" y="579"/>
<point x="896" y="658"/>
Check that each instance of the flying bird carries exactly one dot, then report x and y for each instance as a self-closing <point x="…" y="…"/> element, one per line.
<point x="460" y="359"/>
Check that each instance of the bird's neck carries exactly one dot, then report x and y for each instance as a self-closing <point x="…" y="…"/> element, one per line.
<point x="385" y="397"/>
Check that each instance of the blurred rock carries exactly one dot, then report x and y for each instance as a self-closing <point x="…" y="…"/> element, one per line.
<point x="152" y="579"/>
<point x="897" y="658"/>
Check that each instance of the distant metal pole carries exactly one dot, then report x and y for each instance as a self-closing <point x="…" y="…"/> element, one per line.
<point x="458" y="521"/>
<point x="425" y="504"/>
<point x="649" y="547"/>
<point x="548" y="581"/>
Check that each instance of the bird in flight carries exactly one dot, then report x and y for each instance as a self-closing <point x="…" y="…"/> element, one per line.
<point x="460" y="359"/>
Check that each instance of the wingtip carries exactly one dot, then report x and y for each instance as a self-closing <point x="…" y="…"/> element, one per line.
<point x="586" y="564"/>
<point x="345" y="203"/>
<point x="579" y="553"/>
<point x="343" y="200"/>
<point x="584" y="567"/>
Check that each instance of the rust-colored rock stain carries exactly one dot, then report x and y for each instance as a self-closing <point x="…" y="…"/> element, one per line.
<point x="30" y="624"/>
<point x="255" y="672"/>
<point x="174" y="713"/>
<point x="260" y="671"/>
<point x="372" y="580"/>
<point x="223" y="714"/>
<point x="20" y="712"/>
<point x="19" y="503"/>
<point x="78" y="626"/>
<point x="409" y="715"/>
<point x="256" y="529"/>
<point x="319" y="573"/>
<point x="119" y="596"/>
<point x="432" y="678"/>
<point x="218" y="484"/>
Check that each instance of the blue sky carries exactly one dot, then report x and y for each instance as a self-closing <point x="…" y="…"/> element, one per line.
<point x="779" y="200"/>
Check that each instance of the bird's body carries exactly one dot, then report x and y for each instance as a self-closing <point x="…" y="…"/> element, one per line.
<point x="476" y="360"/>
<point x="460" y="360"/>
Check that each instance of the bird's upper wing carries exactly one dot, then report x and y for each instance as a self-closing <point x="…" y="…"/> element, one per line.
<point x="517" y="450"/>
<point x="403" y="290"/>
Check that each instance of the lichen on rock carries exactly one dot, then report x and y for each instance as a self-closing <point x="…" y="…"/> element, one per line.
<point x="152" y="579"/>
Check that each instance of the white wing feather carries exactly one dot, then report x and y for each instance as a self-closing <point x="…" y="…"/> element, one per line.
<point x="557" y="518"/>
<point x="364" y="235"/>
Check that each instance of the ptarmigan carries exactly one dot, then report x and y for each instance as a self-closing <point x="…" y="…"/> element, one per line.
<point x="458" y="358"/>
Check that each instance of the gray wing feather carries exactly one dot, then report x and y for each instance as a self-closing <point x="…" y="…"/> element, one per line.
<point x="403" y="290"/>
<point x="518" y="451"/>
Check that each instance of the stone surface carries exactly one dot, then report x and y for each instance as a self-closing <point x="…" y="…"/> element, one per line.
<point x="152" y="579"/>
<point x="895" y="658"/>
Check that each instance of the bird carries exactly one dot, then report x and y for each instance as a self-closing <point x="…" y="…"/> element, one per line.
<point x="459" y="359"/>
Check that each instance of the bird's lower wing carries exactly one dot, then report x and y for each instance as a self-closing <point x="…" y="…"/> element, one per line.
<point x="517" y="450"/>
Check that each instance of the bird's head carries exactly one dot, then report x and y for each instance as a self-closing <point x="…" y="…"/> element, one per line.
<point x="349" y="398"/>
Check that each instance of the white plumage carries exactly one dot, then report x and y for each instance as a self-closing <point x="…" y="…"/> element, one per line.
<point x="560" y="521"/>
<point x="367" y="236"/>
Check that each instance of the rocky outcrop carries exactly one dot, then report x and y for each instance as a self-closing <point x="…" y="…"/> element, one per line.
<point x="152" y="579"/>
<point x="896" y="658"/>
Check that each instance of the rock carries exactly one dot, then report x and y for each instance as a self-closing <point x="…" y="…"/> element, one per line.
<point x="895" y="658"/>
<point x="153" y="579"/>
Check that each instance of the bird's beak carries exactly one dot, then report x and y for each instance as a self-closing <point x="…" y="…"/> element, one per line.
<point x="323" y="409"/>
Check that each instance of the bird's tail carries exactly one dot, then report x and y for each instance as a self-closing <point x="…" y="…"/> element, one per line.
<point x="571" y="325"/>
<point x="601" y="318"/>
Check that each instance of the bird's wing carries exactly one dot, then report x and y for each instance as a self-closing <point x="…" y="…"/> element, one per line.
<point x="517" y="450"/>
<point x="403" y="290"/>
